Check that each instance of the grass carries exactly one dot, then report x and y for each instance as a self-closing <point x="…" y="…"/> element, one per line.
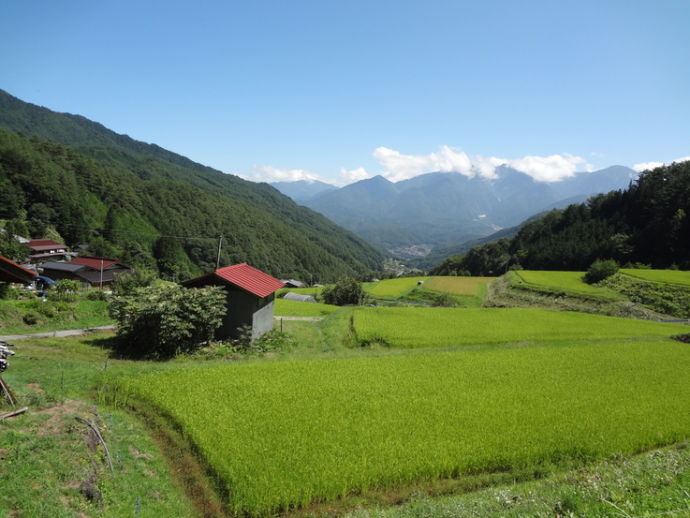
<point x="392" y="288"/>
<point x="435" y="327"/>
<point x="314" y="290"/>
<point x="665" y="276"/>
<point x="458" y="285"/>
<point x="45" y="453"/>
<point x="302" y="309"/>
<point x="34" y="316"/>
<point x="566" y="283"/>
<point x="283" y="434"/>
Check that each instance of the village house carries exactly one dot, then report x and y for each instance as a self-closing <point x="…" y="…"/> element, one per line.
<point x="93" y="271"/>
<point x="250" y="296"/>
<point x="42" y="249"/>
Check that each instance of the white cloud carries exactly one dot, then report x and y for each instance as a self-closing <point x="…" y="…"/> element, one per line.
<point x="348" y="176"/>
<point x="398" y="166"/>
<point x="643" y="166"/>
<point x="267" y="173"/>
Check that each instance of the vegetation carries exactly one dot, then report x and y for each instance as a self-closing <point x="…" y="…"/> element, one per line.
<point x="345" y="292"/>
<point x="302" y="309"/>
<point x="601" y="269"/>
<point x="392" y="288"/>
<point x="163" y="321"/>
<point x="647" y="223"/>
<point x="436" y="327"/>
<point x="663" y="276"/>
<point x="134" y="201"/>
<point x="295" y="432"/>
<point x="36" y="315"/>
<point x="669" y="299"/>
<point x="457" y="285"/>
<point x="564" y="283"/>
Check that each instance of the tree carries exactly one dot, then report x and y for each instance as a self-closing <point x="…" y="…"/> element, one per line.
<point x="163" y="321"/>
<point x="600" y="270"/>
<point x="346" y="291"/>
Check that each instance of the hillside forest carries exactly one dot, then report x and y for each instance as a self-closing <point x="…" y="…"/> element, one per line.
<point x="645" y="224"/>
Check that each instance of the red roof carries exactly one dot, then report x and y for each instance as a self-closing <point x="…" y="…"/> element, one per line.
<point x="93" y="262"/>
<point x="246" y="277"/>
<point x="12" y="272"/>
<point x="250" y="279"/>
<point x="44" y="244"/>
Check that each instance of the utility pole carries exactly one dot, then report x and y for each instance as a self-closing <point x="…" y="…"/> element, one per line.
<point x="101" y="273"/>
<point x="220" y="244"/>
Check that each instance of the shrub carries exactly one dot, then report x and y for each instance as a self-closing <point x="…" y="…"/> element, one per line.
<point x="345" y="292"/>
<point x="96" y="294"/>
<point x="126" y="284"/>
<point x="66" y="291"/>
<point x="600" y="270"/>
<point x="163" y="321"/>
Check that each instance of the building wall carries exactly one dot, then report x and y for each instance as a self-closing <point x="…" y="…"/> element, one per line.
<point x="263" y="318"/>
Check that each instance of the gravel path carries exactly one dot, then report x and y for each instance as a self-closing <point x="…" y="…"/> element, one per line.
<point x="59" y="334"/>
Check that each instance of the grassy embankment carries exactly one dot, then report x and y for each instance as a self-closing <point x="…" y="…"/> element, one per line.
<point x="35" y="315"/>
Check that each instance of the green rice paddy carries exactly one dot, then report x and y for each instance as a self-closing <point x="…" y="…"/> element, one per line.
<point x="666" y="276"/>
<point x="434" y="327"/>
<point x="392" y="288"/>
<point x="458" y="285"/>
<point x="302" y="309"/>
<point x="568" y="283"/>
<point x="284" y="434"/>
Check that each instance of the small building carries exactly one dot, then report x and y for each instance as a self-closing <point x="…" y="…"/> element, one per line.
<point x="292" y="283"/>
<point x="42" y="249"/>
<point x="298" y="297"/>
<point x="250" y="294"/>
<point x="14" y="273"/>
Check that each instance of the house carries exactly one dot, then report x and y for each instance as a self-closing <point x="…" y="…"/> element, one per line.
<point x="298" y="297"/>
<point x="250" y="295"/>
<point x="12" y="272"/>
<point x="292" y="283"/>
<point x="42" y="249"/>
<point x="94" y="271"/>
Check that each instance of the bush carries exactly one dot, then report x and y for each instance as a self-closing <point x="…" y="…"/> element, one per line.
<point x="96" y="294"/>
<point x="126" y="284"/>
<point x="600" y="270"/>
<point x="163" y="321"/>
<point x="345" y="292"/>
<point x="65" y="291"/>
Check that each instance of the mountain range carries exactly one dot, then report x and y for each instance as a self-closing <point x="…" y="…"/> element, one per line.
<point x="438" y="210"/>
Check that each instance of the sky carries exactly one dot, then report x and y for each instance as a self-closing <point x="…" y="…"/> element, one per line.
<point x="341" y="91"/>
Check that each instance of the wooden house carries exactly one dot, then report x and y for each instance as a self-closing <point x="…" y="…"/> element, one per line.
<point x="94" y="271"/>
<point x="250" y="295"/>
<point x="42" y="249"/>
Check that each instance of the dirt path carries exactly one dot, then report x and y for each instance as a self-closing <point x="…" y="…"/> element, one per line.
<point x="305" y="319"/>
<point x="58" y="334"/>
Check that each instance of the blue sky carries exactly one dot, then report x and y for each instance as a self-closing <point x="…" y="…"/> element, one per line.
<point x="344" y="90"/>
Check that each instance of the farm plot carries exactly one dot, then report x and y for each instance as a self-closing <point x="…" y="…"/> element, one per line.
<point x="458" y="285"/>
<point x="433" y="327"/>
<point x="665" y="276"/>
<point x="567" y="283"/>
<point x="392" y="288"/>
<point x="281" y="435"/>
<point x="302" y="309"/>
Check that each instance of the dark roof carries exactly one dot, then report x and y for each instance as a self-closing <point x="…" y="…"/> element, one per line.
<point x="93" y="262"/>
<point x="12" y="272"/>
<point x="243" y="276"/>
<point x="62" y="267"/>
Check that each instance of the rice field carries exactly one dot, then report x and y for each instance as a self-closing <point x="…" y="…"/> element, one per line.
<point x="302" y="309"/>
<point x="666" y="276"/>
<point x="569" y="283"/>
<point x="392" y="288"/>
<point x="435" y="327"/>
<point x="280" y="435"/>
<point x="457" y="285"/>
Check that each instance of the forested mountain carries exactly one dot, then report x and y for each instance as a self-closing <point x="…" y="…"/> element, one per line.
<point x="447" y="209"/>
<point x="647" y="223"/>
<point x="149" y="206"/>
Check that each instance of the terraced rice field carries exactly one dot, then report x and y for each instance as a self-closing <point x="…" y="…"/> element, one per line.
<point x="392" y="288"/>
<point x="302" y="309"/>
<point x="435" y="327"/>
<point x="458" y="285"/>
<point x="569" y="283"/>
<point x="666" y="276"/>
<point x="284" y="434"/>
